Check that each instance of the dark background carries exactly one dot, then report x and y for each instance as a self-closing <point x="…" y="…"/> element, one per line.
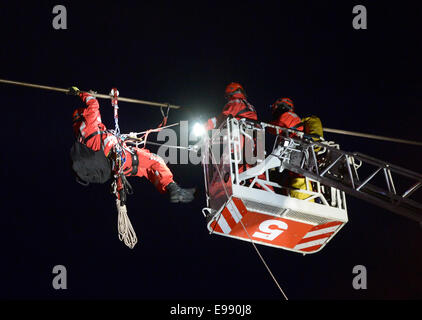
<point x="186" y="53"/>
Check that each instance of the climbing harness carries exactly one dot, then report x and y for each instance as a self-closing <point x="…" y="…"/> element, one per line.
<point x="120" y="186"/>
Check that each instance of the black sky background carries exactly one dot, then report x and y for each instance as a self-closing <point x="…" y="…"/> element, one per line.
<point x="185" y="54"/>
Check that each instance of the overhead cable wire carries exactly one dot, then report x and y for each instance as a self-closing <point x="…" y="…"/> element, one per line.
<point x="97" y="95"/>
<point x="372" y="136"/>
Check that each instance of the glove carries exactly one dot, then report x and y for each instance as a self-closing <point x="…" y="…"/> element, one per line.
<point x="73" y="91"/>
<point x="210" y="124"/>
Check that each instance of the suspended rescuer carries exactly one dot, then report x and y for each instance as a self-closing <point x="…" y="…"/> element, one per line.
<point x="114" y="158"/>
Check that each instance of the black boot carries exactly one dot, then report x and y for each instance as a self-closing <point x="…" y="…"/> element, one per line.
<point x="178" y="194"/>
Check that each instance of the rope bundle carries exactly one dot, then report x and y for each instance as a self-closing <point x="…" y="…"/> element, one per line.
<point x="124" y="226"/>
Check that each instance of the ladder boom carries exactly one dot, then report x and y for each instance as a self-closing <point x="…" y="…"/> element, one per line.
<point x="339" y="169"/>
<point x="362" y="176"/>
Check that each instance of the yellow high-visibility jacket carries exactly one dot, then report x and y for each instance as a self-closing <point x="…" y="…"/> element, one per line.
<point x="313" y="125"/>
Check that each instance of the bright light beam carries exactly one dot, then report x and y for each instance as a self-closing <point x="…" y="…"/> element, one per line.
<point x="199" y="129"/>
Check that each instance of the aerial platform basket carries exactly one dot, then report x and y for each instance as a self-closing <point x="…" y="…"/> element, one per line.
<point x="243" y="202"/>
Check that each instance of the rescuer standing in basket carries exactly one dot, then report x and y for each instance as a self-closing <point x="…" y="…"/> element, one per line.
<point x="283" y="115"/>
<point x="236" y="106"/>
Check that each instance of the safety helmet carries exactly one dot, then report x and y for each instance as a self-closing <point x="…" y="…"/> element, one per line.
<point x="234" y="88"/>
<point x="283" y="103"/>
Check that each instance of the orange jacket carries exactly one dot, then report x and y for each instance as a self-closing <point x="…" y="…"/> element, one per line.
<point x="87" y="125"/>
<point x="238" y="107"/>
<point x="287" y="120"/>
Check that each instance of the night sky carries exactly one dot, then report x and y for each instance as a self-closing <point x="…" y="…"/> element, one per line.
<point x="186" y="53"/>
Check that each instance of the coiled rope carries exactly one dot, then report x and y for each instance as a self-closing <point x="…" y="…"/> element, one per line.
<point x="124" y="226"/>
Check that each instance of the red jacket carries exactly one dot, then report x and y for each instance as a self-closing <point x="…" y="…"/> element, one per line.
<point x="87" y="122"/>
<point x="238" y="107"/>
<point x="87" y="125"/>
<point x="287" y="120"/>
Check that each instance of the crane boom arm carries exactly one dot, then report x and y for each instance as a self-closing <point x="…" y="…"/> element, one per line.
<point x="381" y="183"/>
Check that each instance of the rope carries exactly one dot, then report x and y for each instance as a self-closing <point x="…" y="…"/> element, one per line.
<point x="165" y="117"/>
<point x="126" y="232"/>
<point x="97" y="95"/>
<point x="114" y="94"/>
<point x="249" y="236"/>
<point x="372" y="136"/>
<point x="345" y="132"/>
<point x="161" y="105"/>
<point x="132" y="134"/>
<point x="189" y="148"/>
<point x="263" y="261"/>
<point x="160" y="127"/>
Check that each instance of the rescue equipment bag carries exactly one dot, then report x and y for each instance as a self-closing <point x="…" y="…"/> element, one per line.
<point x="313" y="126"/>
<point x="88" y="165"/>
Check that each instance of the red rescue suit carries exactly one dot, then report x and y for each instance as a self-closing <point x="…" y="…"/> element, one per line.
<point x="287" y="119"/>
<point x="90" y="130"/>
<point x="238" y="107"/>
<point x="296" y="181"/>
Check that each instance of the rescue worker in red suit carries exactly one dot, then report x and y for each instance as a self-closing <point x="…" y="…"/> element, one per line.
<point x="283" y="115"/>
<point x="87" y="125"/>
<point x="237" y="106"/>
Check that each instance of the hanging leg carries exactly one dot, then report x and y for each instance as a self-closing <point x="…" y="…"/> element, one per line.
<point x="158" y="173"/>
